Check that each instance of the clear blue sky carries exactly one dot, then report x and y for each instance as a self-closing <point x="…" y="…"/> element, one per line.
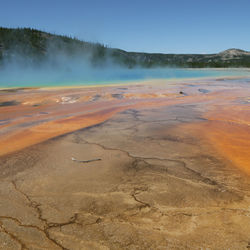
<point x="176" y="26"/>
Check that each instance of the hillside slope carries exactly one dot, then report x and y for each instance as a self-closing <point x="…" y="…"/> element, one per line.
<point x="36" y="46"/>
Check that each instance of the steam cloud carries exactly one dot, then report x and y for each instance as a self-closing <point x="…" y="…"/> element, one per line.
<point x="74" y="66"/>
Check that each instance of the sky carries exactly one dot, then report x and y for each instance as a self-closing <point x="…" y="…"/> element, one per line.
<point x="163" y="26"/>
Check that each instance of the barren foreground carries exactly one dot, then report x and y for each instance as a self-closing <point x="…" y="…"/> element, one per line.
<point x="173" y="170"/>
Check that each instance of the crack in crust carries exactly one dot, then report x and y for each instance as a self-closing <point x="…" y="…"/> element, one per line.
<point x="47" y="225"/>
<point x="13" y="236"/>
<point x="136" y="159"/>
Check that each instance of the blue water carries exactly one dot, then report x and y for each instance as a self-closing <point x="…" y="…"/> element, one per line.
<point x="77" y="77"/>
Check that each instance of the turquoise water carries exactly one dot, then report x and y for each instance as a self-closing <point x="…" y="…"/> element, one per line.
<point x="77" y="77"/>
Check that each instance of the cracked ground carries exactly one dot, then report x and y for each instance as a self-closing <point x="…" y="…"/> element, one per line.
<point x="157" y="186"/>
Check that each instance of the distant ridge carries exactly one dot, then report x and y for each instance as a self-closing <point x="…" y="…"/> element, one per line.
<point x="36" y="46"/>
<point x="233" y="53"/>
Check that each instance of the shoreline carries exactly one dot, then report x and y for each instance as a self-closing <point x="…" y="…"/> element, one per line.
<point x="130" y="82"/>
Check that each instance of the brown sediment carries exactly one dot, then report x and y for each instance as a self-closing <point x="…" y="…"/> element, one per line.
<point x="163" y="181"/>
<point x="231" y="140"/>
<point x="228" y="130"/>
<point x="41" y="114"/>
<point x="36" y="134"/>
<point x="22" y="138"/>
<point x="227" y="127"/>
<point x="90" y="114"/>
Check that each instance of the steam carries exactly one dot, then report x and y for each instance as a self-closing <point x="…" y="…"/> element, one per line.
<point x="61" y="68"/>
<point x="58" y="66"/>
<point x="76" y="65"/>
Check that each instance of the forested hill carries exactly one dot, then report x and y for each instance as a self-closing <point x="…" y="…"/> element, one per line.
<point x="37" y="46"/>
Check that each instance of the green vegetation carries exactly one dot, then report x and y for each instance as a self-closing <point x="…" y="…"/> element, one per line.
<point x="37" y="45"/>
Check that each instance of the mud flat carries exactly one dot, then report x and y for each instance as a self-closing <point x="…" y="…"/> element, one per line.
<point x="174" y="168"/>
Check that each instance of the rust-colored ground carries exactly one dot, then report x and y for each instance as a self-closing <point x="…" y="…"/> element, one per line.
<point x="174" y="170"/>
<point x="44" y="114"/>
<point x="228" y="127"/>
